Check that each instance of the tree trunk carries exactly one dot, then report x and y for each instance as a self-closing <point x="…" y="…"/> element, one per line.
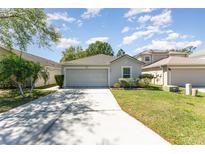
<point x="32" y="86"/>
<point x="21" y="89"/>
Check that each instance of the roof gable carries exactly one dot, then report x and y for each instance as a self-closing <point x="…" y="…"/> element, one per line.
<point x="128" y="56"/>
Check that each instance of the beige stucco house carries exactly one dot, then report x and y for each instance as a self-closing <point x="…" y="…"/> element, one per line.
<point x="177" y="71"/>
<point x="100" y="70"/>
<point x="151" y="56"/>
<point x="52" y="67"/>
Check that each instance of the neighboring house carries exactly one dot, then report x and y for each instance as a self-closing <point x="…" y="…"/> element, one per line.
<point x="151" y="56"/>
<point x="52" y="67"/>
<point x="178" y="71"/>
<point x="99" y="70"/>
<point x="199" y="54"/>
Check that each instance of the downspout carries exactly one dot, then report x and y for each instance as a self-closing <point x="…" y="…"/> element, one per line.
<point x="170" y="75"/>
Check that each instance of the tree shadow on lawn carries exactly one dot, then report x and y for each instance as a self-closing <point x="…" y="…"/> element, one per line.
<point x="12" y="98"/>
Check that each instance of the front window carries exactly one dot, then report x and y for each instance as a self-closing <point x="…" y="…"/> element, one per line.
<point x="126" y="72"/>
<point x="147" y="58"/>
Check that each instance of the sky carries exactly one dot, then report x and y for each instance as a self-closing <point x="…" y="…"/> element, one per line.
<point x="133" y="30"/>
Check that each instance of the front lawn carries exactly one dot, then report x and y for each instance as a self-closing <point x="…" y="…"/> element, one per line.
<point x="178" y="118"/>
<point x="11" y="98"/>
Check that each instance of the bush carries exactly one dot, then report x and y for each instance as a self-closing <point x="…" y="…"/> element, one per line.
<point x="7" y="85"/>
<point x="128" y="82"/>
<point x="144" y="82"/>
<point x="148" y="76"/>
<point x="116" y="85"/>
<point x="59" y="80"/>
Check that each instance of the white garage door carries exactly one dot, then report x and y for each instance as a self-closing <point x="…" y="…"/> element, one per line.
<point x="86" y="78"/>
<point x="182" y="76"/>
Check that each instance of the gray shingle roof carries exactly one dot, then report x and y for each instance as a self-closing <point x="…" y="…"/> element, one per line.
<point x="31" y="57"/>
<point x="177" y="61"/>
<point x="97" y="60"/>
<point x="100" y="59"/>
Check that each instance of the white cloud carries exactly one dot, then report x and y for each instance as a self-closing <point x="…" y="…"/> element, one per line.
<point x="167" y="45"/>
<point x="161" y="19"/>
<point x="143" y="19"/>
<point x="133" y="12"/>
<point x="90" y="13"/>
<point x="79" y="23"/>
<point x="158" y="22"/>
<point x="67" y="42"/>
<point x="94" y="39"/>
<point x="125" y="29"/>
<point x="60" y="16"/>
<point x="173" y="36"/>
<point x="144" y="33"/>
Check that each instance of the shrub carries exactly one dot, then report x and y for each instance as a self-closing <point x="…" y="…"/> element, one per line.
<point x="124" y="82"/>
<point x="128" y="82"/>
<point x="148" y="76"/>
<point x="59" y="80"/>
<point x="7" y="85"/>
<point x="144" y="82"/>
<point x="116" y="85"/>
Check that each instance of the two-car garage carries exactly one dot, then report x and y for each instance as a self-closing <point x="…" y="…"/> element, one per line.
<point x="86" y="77"/>
<point x="195" y="76"/>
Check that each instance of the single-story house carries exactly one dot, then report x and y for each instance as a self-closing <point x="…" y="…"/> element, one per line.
<point x="177" y="71"/>
<point x="52" y="67"/>
<point x="99" y="70"/>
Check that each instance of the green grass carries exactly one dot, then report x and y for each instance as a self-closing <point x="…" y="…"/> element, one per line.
<point x="178" y="118"/>
<point x="11" y="99"/>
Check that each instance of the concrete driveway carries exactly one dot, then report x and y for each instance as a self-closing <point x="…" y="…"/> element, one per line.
<point x="74" y="116"/>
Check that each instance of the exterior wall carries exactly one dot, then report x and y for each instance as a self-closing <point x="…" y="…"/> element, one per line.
<point x="158" y="76"/>
<point x="142" y="58"/>
<point x="153" y="58"/>
<point x="161" y="75"/>
<point x="52" y="72"/>
<point x="116" y="69"/>
<point x="157" y="57"/>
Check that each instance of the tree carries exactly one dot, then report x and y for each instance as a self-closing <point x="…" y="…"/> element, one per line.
<point x="73" y="53"/>
<point x="45" y="75"/>
<point x="20" y="27"/>
<point x="15" y="69"/>
<point x="187" y="50"/>
<point x="99" y="48"/>
<point x="18" y="70"/>
<point x="121" y="52"/>
<point x="36" y="69"/>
